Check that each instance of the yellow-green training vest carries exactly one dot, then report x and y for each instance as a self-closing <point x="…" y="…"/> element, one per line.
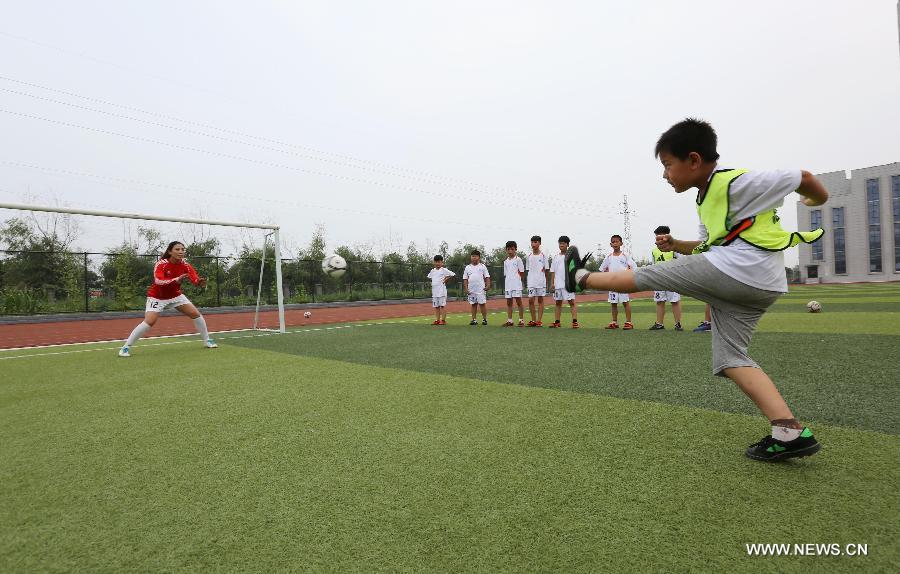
<point x="763" y="230"/>
<point x="660" y="256"/>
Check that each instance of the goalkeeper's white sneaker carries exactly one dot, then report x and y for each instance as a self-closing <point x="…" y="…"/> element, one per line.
<point x="210" y="344"/>
<point x="124" y="352"/>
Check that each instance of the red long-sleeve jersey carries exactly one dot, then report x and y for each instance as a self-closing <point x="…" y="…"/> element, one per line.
<point x="165" y="274"/>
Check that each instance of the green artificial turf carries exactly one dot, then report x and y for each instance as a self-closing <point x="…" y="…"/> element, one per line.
<point x="392" y="447"/>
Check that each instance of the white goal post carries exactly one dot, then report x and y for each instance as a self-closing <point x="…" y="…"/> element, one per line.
<point x="274" y="231"/>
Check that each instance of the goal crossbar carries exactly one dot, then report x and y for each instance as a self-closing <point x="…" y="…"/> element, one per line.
<point x="121" y="215"/>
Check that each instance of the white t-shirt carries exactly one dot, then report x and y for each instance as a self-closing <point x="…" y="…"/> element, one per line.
<point x="751" y="194"/>
<point x="438" y="287"/>
<point x="537" y="266"/>
<point x="476" y="275"/>
<point x="558" y="268"/>
<point x="511" y="269"/>
<point x="619" y="262"/>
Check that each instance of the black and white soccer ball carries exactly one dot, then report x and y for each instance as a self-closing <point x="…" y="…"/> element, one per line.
<point x="334" y="265"/>
<point x="814" y="306"/>
<point x="307" y="314"/>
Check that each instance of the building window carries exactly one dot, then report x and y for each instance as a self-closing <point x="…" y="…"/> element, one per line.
<point x="840" y="256"/>
<point x="873" y="215"/>
<point x="812" y="271"/>
<point x="815" y="221"/>
<point x="895" y="200"/>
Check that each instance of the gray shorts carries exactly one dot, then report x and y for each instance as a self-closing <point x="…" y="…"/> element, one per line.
<point x="735" y="307"/>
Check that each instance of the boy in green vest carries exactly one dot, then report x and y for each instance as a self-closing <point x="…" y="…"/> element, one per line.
<point x="737" y="266"/>
<point x="661" y="297"/>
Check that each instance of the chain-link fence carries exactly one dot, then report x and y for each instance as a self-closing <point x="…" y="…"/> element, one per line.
<point x="34" y="282"/>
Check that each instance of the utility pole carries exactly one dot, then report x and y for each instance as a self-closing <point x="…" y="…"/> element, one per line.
<point x="626" y="234"/>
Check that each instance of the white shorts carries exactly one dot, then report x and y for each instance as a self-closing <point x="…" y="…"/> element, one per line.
<point x="537" y="291"/>
<point x="514" y="293"/>
<point x="618" y="297"/>
<point x="563" y="295"/>
<point x="160" y="305"/>
<point x="666" y="296"/>
<point x="477" y="298"/>
<point x="439" y="301"/>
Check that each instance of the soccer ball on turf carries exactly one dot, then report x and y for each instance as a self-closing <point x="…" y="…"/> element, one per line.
<point x="307" y="315"/>
<point x="814" y="306"/>
<point x="334" y="266"/>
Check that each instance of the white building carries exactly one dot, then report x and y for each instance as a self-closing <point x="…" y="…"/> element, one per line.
<point x="862" y="228"/>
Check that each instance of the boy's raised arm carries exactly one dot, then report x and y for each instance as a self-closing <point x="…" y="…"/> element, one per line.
<point x="812" y="190"/>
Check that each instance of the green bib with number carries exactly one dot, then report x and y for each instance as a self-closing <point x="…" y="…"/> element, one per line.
<point x="762" y="231"/>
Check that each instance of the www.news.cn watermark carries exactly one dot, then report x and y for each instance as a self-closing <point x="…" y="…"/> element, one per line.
<point x="808" y="549"/>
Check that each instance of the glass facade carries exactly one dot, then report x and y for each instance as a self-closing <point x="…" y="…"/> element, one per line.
<point x="895" y="200"/>
<point x="873" y="217"/>
<point x="840" y="254"/>
<point x="815" y="222"/>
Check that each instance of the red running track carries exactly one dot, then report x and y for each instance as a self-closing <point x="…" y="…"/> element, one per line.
<point x="19" y="335"/>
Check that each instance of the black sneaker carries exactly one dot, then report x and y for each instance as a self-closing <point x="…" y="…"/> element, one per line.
<point x="657" y="327"/>
<point x="771" y="450"/>
<point x="574" y="262"/>
<point x="678" y="327"/>
<point x="473" y="322"/>
<point x="483" y="322"/>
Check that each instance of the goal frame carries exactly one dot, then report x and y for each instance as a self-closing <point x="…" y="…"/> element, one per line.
<point x="145" y="217"/>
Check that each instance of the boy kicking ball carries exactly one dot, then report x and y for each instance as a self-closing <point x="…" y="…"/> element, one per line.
<point x="737" y="266"/>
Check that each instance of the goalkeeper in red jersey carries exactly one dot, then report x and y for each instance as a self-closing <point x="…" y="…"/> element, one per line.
<point x="168" y="273"/>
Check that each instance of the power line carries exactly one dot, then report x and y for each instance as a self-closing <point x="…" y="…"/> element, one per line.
<point x="384" y="169"/>
<point x="243" y="198"/>
<point x="263" y="162"/>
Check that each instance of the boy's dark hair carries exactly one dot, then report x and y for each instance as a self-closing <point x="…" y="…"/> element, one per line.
<point x="511" y="244"/>
<point x="475" y="252"/>
<point x="614" y="236"/>
<point x="662" y="229"/>
<point x="535" y="237"/>
<point x="438" y="257"/>
<point x="689" y="135"/>
<point x="563" y="239"/>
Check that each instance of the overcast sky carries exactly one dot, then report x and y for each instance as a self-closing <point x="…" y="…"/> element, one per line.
<point x="391" y="122"/>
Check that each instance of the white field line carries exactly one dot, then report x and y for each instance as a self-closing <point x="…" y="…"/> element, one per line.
<point x="164" y="343"/>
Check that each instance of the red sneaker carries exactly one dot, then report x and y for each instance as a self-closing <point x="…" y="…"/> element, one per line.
<point x="555" y="325"/>
<point x="539" y="324"/>
<point x="435" y="322"/>
<point x="612" y="325"/>
<point x="628" y="326"/>
<point x="442" y="322"/>
<point x="532" y="324"/>
<point x="575" y="324"/>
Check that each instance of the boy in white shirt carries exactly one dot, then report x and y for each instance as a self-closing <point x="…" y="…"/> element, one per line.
<point x="736" y="265"/>
<point x="538" y="267"/>
<point x="439" y="276"/>
<point x="618" y="261"/>
<point x="476" y="282"/>
<point x="558" y="278"/>
<point x="513" y="271"/>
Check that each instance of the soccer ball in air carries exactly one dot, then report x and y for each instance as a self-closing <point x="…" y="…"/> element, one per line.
<point x="814" y="306"/>
<point x="334" y="266"/>
<point x="307" y="315"/>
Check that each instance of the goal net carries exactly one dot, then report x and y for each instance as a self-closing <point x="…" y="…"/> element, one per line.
<point x="64" y="260"/>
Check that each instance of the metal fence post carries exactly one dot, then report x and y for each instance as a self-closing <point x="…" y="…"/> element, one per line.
<point x="383" y="289"/>
<point x="218" y="281"/>
<point x="87" y="306"/>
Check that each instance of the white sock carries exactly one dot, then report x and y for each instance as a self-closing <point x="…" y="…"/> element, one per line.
<point x="138" y="332"/>
<point x="785" y="434"/>
<point x="200" y="323"/>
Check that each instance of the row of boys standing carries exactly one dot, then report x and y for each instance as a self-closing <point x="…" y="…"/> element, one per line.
<point x="541" y="272"/>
